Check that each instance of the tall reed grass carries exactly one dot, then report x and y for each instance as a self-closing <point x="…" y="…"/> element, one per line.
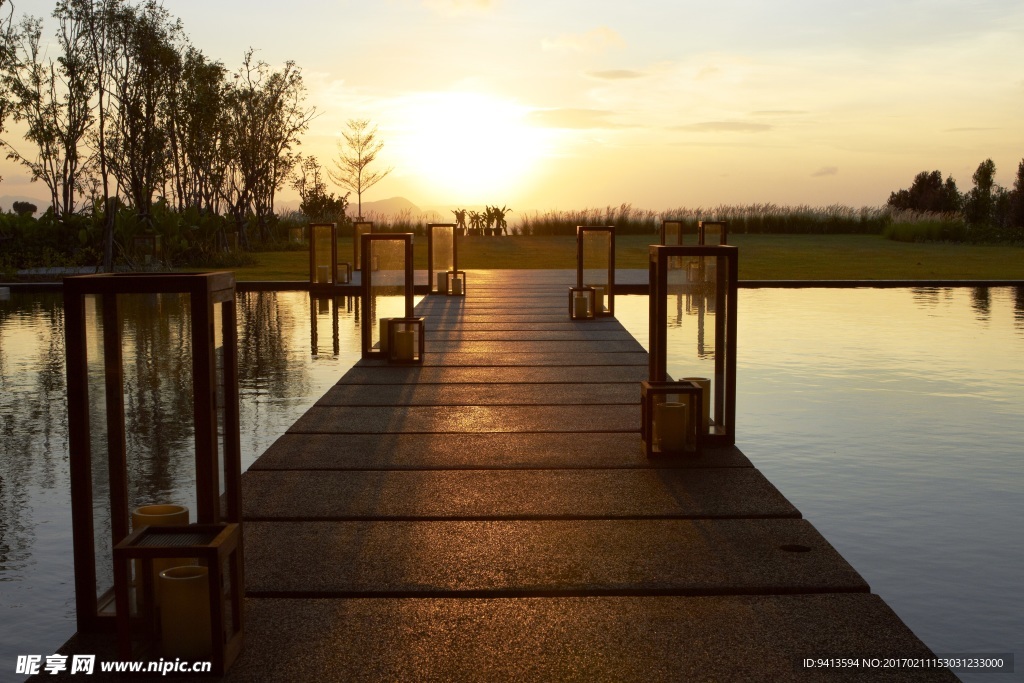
<point x="753" y="219"/>
<point x="743" y="219"/>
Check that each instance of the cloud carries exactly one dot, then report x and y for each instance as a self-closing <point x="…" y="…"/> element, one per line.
<point x="724" y="127"/>
<point x="579" y="119"/>
<point x="597" y="40"/>
<point x="779" y="112"/>
<point x="825" y="171"/>
<point x="459" y="7"/>
<point x="616" y="74"/>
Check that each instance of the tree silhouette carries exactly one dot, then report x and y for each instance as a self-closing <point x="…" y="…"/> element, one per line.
<point x="928" y="193"/>
<point x="980" y="201"/>
<point x="351" y="164"/>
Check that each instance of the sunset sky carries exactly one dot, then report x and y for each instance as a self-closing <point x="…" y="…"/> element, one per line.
<point x="574" y="104"/>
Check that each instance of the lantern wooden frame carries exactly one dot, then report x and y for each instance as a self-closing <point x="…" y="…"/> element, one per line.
<point x="368" y="293"/>
<point x="323" y="264"/>
<point x="218" y="547"/>
<point x="438" y="264"/>
<point x="414" y="325"/>
<point x="589" y="294"/>
<point x="672" y="232"/>
<point x="147" y="246"/>
<point x="703" y="233"/>
<point x="719" y="297"/>
<point x="449" y="282"/>
<point x="582" y="232"/>
<point x="652" y="393"/>
<point x="359" y="228"/>
<point x="205" y="291"/>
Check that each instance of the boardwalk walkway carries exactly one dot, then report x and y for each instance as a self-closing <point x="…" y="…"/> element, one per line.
<point x="490" y="516"/>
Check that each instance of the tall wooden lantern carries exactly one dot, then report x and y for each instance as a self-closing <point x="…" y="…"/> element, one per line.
<point x="595" y="266"/>
<point x="693" y="331"/>
<point x="323" y="253"/>
<point x="100" y="498"/>
<point x="711" y="233"/>
<point x="387" y="288"/>
<point x="442" y="255"/>
<point x="673" y="231"/>
<point x="359" y="228"/>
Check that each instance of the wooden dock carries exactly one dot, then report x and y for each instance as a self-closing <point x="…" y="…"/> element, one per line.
<point x="490" y="516"/>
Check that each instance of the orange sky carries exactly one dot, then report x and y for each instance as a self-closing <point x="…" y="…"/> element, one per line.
<point x="658" y="104"/>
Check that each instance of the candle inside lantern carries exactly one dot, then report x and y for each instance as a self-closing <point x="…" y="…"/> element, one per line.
<point x="671" y="420"/>
<point x="457" y="286"/>
<point x="158" y="515"/>
<point x="384" y="324"/>
<point x="598" y="299"/>
<point x="375" y="263"/>
<point x="322" y="273"/>
<point x="705" y="385"/>
<point x="185" y="624"/>
<point x="579" y="306"/>
<point x="405" y="344"/>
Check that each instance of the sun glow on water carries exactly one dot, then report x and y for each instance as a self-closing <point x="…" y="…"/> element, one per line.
<point x="467" y="147"/>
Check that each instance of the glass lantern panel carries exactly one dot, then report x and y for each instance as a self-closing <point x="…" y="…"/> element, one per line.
<point x="443" y="244"/>
<point x="696" y="309"/>
<point x="386" y="292"/>
<point x="358" y="230"/>
<point x="102" y="531"/>
<point x="713" y="233"/>
<point x="322" y="241"/>
<point x="673" y="233"/>
<point x="596" y="245"/>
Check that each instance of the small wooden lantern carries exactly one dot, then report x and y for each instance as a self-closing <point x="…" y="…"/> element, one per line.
<point x="671" y="416"/>
<point x="702" y="342"/>
<point x="215" y="416"/>
<point x="323" y="253"/>
<point x="405" y="340"/>
<point x="595" y="265"/>
<point x="359" y="228"/>
<point x="581" y="303"/>
<point x="203" y="622"/>
<point x="147" y="247"/>
<point x="295" y="235"/>
<point x="711" y="233"/>
<point x="344" y="273"/>
<point x="442" y="255"/>
<point x="387" y="290"/>
<point x="455" y="283"/>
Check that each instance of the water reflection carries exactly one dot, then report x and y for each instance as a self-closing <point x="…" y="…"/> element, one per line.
<point x="881" y="395"/>
<point x="279" y="380"/>
<point x="1018" y="307"/>
<point x="981" y="302"/>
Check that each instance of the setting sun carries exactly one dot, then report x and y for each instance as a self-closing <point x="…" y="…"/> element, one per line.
<point x="466" y="146"/>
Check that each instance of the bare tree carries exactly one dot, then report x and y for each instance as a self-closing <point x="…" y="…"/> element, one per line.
<point x="351" y="164"/>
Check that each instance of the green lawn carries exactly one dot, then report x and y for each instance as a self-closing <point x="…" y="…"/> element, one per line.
<point x="762" y="257"/>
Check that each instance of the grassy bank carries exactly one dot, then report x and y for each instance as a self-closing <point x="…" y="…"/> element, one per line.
<point x="762" y="257"/>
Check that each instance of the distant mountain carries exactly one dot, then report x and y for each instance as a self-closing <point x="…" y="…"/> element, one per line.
<point x="387" y="207"/>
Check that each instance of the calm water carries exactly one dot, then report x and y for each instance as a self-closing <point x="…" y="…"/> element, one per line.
<point x="891" y="418"/>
